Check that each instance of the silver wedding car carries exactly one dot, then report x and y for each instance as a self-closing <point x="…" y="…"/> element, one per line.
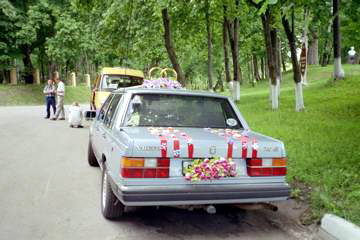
<point x="181" y="148"/>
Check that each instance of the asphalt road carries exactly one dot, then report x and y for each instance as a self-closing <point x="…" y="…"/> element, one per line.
<point x="48" y="191"/>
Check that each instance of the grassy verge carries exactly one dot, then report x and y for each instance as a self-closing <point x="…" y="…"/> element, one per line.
<point x="11" y="95"/>
<point x="322" y="142"/>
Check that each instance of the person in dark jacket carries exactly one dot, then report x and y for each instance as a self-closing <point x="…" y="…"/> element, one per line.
<point x="49" y="92"/>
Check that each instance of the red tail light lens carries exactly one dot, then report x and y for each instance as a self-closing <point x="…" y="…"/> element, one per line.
<point x="144" y="167"/>
<point x="279" y="171"/>
<point x="254" y="162"/>
<point x="150" y="173"/>
<point x="257" y="167"/>
<point x="132" y="173"/>
<point x="163" y="162"/>
<point x="162" y="173"/>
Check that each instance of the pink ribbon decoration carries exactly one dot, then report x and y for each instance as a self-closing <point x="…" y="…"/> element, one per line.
<point x="255" y="147"/>
<point x="163" y="146"/>
<point x="230" y="149"/>
<point x="244" y="147"/>
<point x="190" y="145"/>
<point x="176" y="146"/>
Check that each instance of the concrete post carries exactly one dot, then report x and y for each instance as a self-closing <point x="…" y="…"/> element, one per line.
<point x="36" y="76"/>
<point x="13" y="79"/>
<point x="73" y="79"/>
<point x="87" y="80"/>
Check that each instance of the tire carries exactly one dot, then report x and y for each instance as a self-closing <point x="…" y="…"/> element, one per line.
<point x="111" y="207"/>
<point x="91" y="156"/>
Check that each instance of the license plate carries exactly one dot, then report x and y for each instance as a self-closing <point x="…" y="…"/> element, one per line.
<point x="185" y="164"/>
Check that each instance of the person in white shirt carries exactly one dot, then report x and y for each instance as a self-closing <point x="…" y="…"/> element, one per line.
<point x="75" y="115"/>
<point x="60" y="93"/>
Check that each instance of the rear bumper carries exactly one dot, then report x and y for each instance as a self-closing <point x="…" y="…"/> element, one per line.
<point x="190" y="194"/>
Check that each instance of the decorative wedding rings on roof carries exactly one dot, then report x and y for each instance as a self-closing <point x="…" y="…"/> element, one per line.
<point x="163" y="73"/>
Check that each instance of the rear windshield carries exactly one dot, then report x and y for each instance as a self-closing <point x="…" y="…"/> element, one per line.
<point x="119" y="81"/>
<point x="164" y="110"/>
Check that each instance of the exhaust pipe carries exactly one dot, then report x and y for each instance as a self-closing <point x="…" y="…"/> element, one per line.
<point x="210" y="209"/>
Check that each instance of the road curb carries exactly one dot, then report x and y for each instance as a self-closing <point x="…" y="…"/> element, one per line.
<point x="336" y="228"/>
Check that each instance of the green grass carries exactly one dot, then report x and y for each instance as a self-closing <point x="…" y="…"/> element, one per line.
<point x="12" y="95"/>
<point x="322" y="142"/>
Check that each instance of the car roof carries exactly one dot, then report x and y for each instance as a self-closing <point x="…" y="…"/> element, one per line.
<point x="122" y="71"/>
<point x="140" y="89"/>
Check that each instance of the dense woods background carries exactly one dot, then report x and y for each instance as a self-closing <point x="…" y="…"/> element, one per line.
<point x="208" y="42"/>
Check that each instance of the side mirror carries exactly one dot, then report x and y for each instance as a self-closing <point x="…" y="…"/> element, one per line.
<point x="90" y="115"/>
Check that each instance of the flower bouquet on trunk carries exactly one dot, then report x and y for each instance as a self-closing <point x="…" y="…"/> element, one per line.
<point x="210" y="169"/>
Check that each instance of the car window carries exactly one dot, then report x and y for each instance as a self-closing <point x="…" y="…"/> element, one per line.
<point x="104" y="108"/>
<point x="119" y="81"/>
<point x="112" y="108"/>
<point x="165" y="110"/>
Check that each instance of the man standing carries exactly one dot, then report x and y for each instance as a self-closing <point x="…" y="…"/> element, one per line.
<point x="60" y="93"/>
<point x="49" y="91"/>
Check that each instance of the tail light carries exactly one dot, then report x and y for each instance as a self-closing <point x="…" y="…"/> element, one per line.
<point x="262" y="167"/>
<point x="144" y="167"/>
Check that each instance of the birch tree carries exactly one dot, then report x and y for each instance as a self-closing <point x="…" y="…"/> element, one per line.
<point x="290" y="34"/>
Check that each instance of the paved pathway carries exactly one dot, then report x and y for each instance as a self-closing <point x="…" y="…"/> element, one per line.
<point x="48" y="191"/>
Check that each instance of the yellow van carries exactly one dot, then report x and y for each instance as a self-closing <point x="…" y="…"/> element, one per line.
<point x="110" y="79"/>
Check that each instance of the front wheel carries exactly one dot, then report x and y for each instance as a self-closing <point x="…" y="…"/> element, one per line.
<point x="111" y="207"/>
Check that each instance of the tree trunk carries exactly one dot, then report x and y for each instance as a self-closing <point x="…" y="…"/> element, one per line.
<point x="305" y="45"/>
<point x="208" y="29"/>
<point x="256" y="68"/>
<point x="262" y="68"/>
<point x="240" y="75"/>
<point x="270" y="36"/>
<point x="170" y="47"/>
<point x="225" y="43"/>
<point x="313" y="51"/>
<point x="26" y="51"/>
<point x="233" y="38"/>
<point x="299" y="106"/>
<point x="249" y="71"/>
<point x="283" y="61"/>
<point x="324" y="54"/>
<point x="338" y="69"/>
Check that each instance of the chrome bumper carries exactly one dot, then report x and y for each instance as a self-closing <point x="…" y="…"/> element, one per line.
<point x="192" y="194"/>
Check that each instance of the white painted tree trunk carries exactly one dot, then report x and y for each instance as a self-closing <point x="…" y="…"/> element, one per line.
<point x="235" y="90"/>
<point x="274" y="97"/>
<point x="299" y="97"/>
<point x="270" y="91"/>
<point x="275" y="92"/>
<point x="338" y="71"/>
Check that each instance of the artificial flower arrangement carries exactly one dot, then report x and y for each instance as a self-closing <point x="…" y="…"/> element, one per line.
<point x="210" y="169"/>
<point x="162" y="83"/>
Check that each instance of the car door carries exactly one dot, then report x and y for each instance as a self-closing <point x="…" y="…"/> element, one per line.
<point x="98" y="128"/>
<point x="105" y="128"/>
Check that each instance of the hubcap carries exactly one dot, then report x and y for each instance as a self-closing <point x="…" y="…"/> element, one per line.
<point x="104" y="190"/>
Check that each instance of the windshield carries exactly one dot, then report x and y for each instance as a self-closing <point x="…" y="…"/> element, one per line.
<point x="164" y="110"/>
<point x="119" y="81"/>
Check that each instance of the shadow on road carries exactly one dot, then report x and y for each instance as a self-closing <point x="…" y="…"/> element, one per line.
<point x="174" y="222"/>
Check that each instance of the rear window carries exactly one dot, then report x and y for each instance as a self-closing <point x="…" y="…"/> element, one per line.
<point x="164" y="110"/>
<point x="119" y="81"/>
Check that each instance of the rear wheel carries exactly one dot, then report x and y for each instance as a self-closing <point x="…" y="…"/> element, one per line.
<point x="91" y="156"/>
<point x="111" y="207"/>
